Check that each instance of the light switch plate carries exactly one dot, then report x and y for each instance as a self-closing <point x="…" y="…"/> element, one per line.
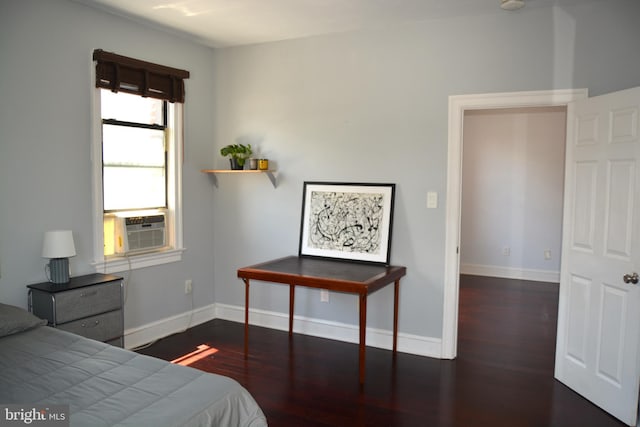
<point x="432" y="200"/>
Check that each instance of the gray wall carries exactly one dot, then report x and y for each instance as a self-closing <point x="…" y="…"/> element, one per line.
<point x="362" y="106"/>
<point x="372" y="106"/>
<point x="45" y="178"/>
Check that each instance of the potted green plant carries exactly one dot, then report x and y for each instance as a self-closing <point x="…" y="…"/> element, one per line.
<point x="237" y="154"/>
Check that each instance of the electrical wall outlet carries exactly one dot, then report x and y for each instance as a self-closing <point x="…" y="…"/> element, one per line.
<point x="547" y="254"/>
<point x="506" y="251"/>
<point x="188" y="286"/>
<point x="324" y="295"/>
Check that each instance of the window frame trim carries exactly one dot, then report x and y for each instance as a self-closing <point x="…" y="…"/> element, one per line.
<point x="112" y="263"/>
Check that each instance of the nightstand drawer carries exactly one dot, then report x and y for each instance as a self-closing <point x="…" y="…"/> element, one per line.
<point x="118" y="342"/>
<point x="83" y="302"/>
<point x="102" y="327"/>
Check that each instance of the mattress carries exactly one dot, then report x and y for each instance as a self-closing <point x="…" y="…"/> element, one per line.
<point x="106" y="386"/>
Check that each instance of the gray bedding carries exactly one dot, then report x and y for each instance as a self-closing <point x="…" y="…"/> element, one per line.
<point x="106" y="385"/>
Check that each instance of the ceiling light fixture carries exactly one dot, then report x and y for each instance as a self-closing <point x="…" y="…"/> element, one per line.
<point x="512" y="4"/>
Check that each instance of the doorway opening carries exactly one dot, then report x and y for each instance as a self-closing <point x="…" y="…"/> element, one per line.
<point x="512" y="193"/>
<point x="511" y="235"/>
<point x="458" y="106"/>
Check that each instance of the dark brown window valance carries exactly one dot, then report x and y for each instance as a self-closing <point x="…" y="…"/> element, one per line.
<point x="123" y="74"/>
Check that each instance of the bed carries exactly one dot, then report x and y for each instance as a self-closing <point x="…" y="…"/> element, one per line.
<point x="105" y="385"/>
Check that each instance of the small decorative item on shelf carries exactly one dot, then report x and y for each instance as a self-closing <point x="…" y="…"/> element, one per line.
<point x="238" y="153"/>
<point x="263" y="164"/>
<point x="253" y="163"/>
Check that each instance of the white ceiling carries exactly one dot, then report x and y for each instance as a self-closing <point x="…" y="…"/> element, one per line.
<point x="223" y="23"/>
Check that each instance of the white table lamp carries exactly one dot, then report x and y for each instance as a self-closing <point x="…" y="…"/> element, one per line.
<point x="58" y="246"/>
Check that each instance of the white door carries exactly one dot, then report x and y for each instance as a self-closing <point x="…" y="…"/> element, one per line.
<point x="599" y="307"/>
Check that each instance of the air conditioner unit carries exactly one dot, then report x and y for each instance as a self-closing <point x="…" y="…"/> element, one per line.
<point x="134" y="234"/>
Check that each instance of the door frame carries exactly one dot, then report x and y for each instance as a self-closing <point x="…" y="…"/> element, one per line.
<point x="458" y="104"/>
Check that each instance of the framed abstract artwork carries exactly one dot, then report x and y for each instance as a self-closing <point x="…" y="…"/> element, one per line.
<point x="347" y="221"/>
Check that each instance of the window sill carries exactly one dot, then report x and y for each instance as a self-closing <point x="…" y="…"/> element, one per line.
<point x="116" y="264"/>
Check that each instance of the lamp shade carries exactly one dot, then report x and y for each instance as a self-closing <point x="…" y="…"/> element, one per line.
<point x="58" y="244"/>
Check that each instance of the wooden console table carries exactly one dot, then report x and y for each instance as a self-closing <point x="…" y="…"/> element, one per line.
<point x="340" y="276"/>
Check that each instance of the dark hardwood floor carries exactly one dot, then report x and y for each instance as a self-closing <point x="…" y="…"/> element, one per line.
<point x="503" y="375"/>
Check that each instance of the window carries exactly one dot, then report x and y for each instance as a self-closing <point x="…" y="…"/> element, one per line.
<point x="137" y="155"/>
<point x="134" y="133"/>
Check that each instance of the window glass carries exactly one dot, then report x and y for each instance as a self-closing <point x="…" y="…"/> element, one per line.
<point x="133" y="188"/>
<point x="132" y="108"/>
<point x="131" y="146"/>
<point x="133" y="153"/>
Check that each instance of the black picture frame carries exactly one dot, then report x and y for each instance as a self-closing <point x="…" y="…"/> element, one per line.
<point x="347" y="221"/>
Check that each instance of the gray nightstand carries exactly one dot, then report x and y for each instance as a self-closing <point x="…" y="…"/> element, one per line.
<point x="89" y="305"/>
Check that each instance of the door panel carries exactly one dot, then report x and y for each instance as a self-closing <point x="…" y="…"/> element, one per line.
<point x="624" y="125"/>
<point x="578" y="320"/>
<point x="619" y="220"/>
<point x="599" y="314"/>
<point x="611" y="345"/>
<point x="583" y="224"/>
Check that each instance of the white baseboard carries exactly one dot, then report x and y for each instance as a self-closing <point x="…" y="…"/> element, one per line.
<point x="379" y="338"/>
<point x="136" y="337"/>
<point x="407" y="343"/>
<point x="510" y="273"/>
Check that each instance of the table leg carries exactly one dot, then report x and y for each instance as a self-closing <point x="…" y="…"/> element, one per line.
<point x="292" y="298"/>
<point x="363" y="328"/>
<point x="246" y="318"/>
<point x="396" y="291"/>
